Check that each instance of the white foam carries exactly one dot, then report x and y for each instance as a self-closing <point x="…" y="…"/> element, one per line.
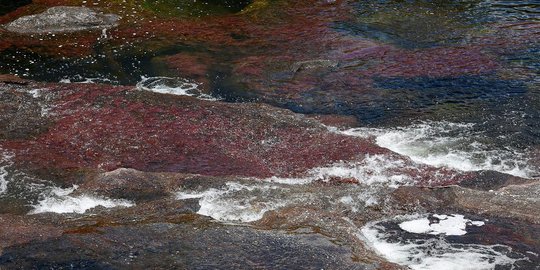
<point x="36" y="93"/>
<point x="87" y="80"/>
<point x="3" y="181"/>
<point x="436" y="252"/>
<point x="447" y="225"/>
<point x="452" y="145"/>
<point x="58" y="200"/>
<point x="173" y="86"/>
<point x="235" y="202"/>
<point x="291" y="180"/>
<point x="104" y="34"/>
<point x="373" y="169"/>
<point x="250" y="200"/>
<point x="5" y="162"/>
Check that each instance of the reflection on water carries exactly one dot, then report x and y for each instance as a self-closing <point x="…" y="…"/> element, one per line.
<point x="407" y="82"/>
<point x="513" y="10"/>
<point x="414" y="24"/>
<point x="465" y="71"/>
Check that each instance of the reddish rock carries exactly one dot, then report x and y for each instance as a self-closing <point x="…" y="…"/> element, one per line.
<point x="99" y="127"/>
<point x="17" y="230"/>
<point x="108" y="127"/>
<point x="12" y="79"/>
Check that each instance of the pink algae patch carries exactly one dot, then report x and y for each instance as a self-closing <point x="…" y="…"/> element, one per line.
<point x="104" y="127"/>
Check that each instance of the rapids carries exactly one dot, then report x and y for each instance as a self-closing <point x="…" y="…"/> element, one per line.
<point x="376" y="134"/>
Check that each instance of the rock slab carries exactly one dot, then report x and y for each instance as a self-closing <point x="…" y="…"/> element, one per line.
<point x="63" y="19"/>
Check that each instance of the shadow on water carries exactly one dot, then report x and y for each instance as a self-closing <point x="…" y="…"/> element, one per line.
<point x="195" y="8"/>
<point x="7" y="6"/>
<point x="452" y="90"/>
<point x="123" y="66"/>
<point x="126" y="66"/>
<point x="405" y="99"/>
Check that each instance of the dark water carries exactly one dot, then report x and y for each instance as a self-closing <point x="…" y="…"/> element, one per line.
<point x="513" y="89"/>
<point x="410" y="24"/>
<point x="501" y="102"/>
<point x="195" y="8"/>
<point x="7" y="6"/>
<point x="492" y="236"/>
<point x="420" y="24"/>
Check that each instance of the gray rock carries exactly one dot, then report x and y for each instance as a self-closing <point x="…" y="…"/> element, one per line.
<point x="63" y="19"/>
<point x="313" y="64"/>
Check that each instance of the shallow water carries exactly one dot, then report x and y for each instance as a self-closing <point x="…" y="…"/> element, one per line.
<point x="446" y="250"/>
<point x="420" y="24"/>
<point x="448" y="87"/>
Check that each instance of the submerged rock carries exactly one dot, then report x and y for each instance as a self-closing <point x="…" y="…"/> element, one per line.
<point x="188" y="164"/>
<point x="107" y="127"/>
<point x="89" y="127"/>
<point x="194" y="245"/>
<point x="63" y="19"/>
<point x="313" y="64"/>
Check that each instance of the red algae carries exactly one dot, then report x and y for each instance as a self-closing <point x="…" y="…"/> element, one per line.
<point x="17" y="230"/>
<point x="182" y="135"/>
<point x="102" y="128"/>
<point x="126" y="143"/>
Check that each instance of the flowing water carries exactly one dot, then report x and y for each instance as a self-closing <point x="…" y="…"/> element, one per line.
<point x="454" y="86"/>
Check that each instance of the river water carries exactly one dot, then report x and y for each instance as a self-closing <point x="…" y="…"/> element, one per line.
<point x="446" y="84"/>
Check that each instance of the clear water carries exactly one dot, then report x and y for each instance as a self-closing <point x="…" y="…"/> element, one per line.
<point x="409" y="98"/>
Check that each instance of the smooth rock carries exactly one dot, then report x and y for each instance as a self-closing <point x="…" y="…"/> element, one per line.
<point x="63" y="19"/>
<point x="313" y="64"/>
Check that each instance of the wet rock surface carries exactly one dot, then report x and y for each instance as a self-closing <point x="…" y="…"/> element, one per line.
<point x="303" y="200"/>
<point x="187" y="246"/>
<point x="21" y="116"/>
<point x="158" y="132"/>
<point x="63" y="19"/>
<point x="268" y="134"/>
